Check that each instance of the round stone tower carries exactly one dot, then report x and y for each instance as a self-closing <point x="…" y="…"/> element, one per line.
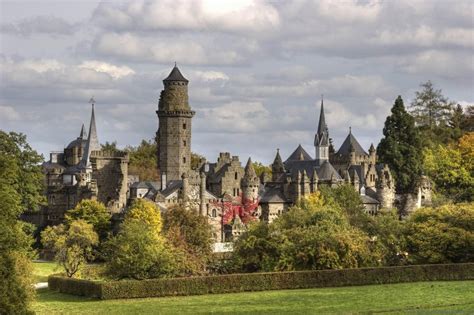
<point x="174" y="130"/>
<point x="250" y="183"/>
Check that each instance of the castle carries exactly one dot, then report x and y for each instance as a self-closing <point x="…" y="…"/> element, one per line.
<point x="227" y="193"/>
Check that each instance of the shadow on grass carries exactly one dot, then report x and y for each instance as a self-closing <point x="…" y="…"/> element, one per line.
<point x="47" y="295"/>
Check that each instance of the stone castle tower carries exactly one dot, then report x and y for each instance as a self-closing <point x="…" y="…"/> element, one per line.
<point x="250" y="183"/>
<point x="174" y="129"/>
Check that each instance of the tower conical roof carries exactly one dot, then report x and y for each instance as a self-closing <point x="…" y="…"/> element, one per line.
<point x="278" y="163"/>
<point x="249" y="170"/>
<point x="175" y="75"/>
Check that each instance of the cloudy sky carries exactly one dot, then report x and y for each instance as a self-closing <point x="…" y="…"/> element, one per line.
<point x="256" y="69"/>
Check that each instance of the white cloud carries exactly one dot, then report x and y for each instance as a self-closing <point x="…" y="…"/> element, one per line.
<point x="8" y="113"/>
<point x="114" y="71"/>
<point x="40" y="25"/>
<point x="231" y="16"/>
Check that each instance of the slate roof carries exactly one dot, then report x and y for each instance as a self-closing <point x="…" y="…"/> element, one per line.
<point x="147" y="185"/>
<point x="76" y="143"/>
<point x="345" y="148"/>
<point x="273" y="195"/>
<point x="324" y="171"/>
<point x="368" y="200"/>
<point x="299" y="155"/>
<point x="175" y="75"/>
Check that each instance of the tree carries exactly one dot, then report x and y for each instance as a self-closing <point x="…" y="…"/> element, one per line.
<point x="401" y="148"/>
<point x="196" y="160"/>
<point x="109" y="147"/>
<point x="441" y="235"/>
<point x="20" y="190"/>
<point x="430" y="108"/>
<point x="451" y="168"/>
<point x="456" y="122"/>
<point x="143" y="160"/>
<point x="191" y="235"/>
<point x="93" y="212"/>
<point x="313" y="235"/>
<point x="72" y="245"/>
<point x="145" y="211"/>
<point x="260" y="168"/>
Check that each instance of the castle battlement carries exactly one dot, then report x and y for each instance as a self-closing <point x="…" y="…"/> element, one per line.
<point x="108" y="154"/>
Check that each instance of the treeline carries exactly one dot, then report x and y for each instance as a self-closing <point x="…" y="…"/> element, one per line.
<point x="433" y="137"/>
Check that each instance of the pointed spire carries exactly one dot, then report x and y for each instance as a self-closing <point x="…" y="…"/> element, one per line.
<point x="277" y="166"/>
<point x="322" y="136"/>
<point x="249" y="170"/>
<point x="372" y="148"/>
<point x="92" y="143"/>
<point x="315" y="177"/>
<point x="83" y="134"/>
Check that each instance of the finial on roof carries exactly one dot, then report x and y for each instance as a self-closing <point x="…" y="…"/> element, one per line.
<point x="175" y="64"/>
<point x="92" y="101"/>
<point x="350" y="129"/>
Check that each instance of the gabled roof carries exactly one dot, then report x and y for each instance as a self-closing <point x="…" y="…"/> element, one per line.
<point x="299" y="155"/>
<point x="175" y="75"/>
<point x="350" y="140"/>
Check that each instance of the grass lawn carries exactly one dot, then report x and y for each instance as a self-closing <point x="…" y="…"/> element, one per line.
<point x="42" y="269"/>
<point x="442" y="297"/>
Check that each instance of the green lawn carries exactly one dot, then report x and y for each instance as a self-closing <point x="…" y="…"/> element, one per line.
<point x="441" y="297"/>
<point x="43" y="269"/>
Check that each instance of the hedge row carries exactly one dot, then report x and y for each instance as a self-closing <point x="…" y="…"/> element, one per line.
<point x="261" y="281"/>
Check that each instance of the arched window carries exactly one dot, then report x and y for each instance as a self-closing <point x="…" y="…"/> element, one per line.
<point x="214" y="213"/>
<point x="236" y="175"/>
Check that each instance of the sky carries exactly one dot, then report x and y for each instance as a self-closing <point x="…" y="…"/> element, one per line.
<point x="257" y="69"/>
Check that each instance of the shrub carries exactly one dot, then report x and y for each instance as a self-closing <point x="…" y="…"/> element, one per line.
<point x="261" y="281"/>
<point x="441" y="235"/>
<point x="138" y="252"/>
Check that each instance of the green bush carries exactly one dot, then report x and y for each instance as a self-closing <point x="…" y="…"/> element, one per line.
<point x="261" y="281"/>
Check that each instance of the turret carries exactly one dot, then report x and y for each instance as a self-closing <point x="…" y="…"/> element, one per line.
<point x="314" y="181"/>
<point x="250" y="182"/>
<point x="278" y="169"/>
<point x="321" y="139"/>
<point x="185" y="187"/>
<point x="352" y="154"/>
<point x="372" y="154"/>
<point x="356" y="182"/>
<point x="305" y="187"/>
<point x="202" y="193"/>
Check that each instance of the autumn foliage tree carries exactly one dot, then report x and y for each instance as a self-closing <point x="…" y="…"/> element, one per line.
<point x="72" y="244"/>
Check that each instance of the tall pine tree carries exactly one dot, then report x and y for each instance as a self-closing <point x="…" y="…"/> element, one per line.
<point x="401" y="148"/>
<point x="430" y="107"/>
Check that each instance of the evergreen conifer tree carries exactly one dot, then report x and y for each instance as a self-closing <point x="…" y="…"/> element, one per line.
<point x="401" y="148"/>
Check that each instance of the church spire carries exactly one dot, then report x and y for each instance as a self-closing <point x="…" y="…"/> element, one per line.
<point x="92" y="143"/>
<point x="321" y="139"/>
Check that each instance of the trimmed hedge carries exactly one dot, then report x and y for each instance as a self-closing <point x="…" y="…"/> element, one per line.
<point x="260" y="281"/>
